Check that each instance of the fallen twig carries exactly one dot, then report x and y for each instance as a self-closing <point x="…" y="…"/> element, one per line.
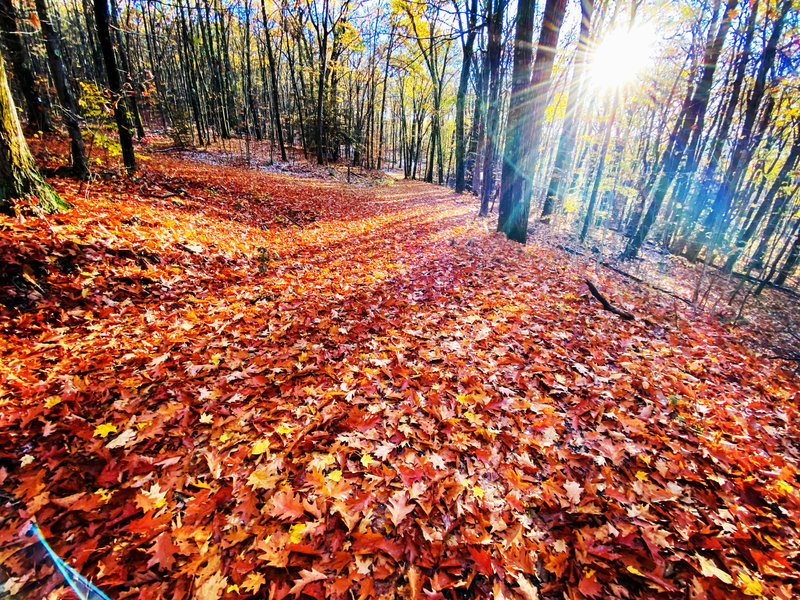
<point x="606" y="304"/>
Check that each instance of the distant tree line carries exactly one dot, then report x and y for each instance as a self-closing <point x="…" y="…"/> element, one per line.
<point x="699" y="155"/>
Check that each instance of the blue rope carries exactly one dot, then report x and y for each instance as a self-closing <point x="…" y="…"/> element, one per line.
<point x="82" y="587"/>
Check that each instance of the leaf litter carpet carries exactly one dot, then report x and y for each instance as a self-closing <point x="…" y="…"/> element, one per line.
<point x="223" y="383"/>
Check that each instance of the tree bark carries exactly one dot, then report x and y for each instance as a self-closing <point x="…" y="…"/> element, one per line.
<point x="689" y="119"/>
<point x="120" y="113"/>
<point x="493" y="50"/>
<point x="791" y="262"/>
<point x="20" y="180"/>
<point x="69" y="107"/>
<point x="36" y="113"/>
<point x="383" y="94"/>
<point x="461" y="95"/>
<point x="599" y="169"/>
<point x="273" y="77"/>
<point x="774" y="203"/>
<point x="566" y="144"/>
<point x="529" y="95"/>
<point x="133" y="102"/>
<point x="740" y="157"/>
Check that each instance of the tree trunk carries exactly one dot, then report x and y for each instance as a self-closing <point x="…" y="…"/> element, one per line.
<point x="273" y="77"/>
<point x="120" y="114"/>
<point x="791" y="262"/>
<point x="772" y="199"/>
<point x="383" y="94"/>
<point x="133" y="102"/>
<point x="69" y="108"/>
<point x="20" y="180"/>
<point x="323" y="66"/>
<point x="23" y="70"/>
<point x="528" y="97"/>
<point x="566" y="144"/>
<point x="740" y="157"/>
<point x="461" y="96"/>
<point x="688" y="118"/>
<point x="493" y="51"/>
<point x="599" y="169"/>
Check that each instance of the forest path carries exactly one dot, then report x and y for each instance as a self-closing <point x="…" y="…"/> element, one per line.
<point x="297" y="386"/>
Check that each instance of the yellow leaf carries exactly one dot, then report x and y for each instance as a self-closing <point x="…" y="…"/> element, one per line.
<point x="104" y="494"/>
<point x="752" y="587"/>
<point x="709" y="569"/>
<point x="478" y="491"/>
<point x="232" y="588"/>
<point x="143" y="424"/>
<point x="641" y="475"/>
<point x="335" y="476"/>
<point x="52" y="401"/>
<point x="774" y="543"/>
<point x="785" y="486"/>
<point x="104" y="429"/>
<point x="200" y="484"/>
<point x="367" y="460"/>
<point x="259" y="447"/>
<point x="635" y="571"/>
<point x="284" y="429"/>
<point x="224" y="437"/>
<point x="296" y="533"/>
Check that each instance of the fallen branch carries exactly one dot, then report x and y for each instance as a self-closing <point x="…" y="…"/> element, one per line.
<point x="643" y="282"/>
<point x="611" y="267"/>
<point x="606" y="304"/>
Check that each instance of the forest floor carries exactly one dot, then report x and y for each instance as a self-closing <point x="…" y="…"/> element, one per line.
<point x="222" y="382"/>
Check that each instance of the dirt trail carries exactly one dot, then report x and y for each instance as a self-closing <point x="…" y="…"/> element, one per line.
<point x="216" y="382"/>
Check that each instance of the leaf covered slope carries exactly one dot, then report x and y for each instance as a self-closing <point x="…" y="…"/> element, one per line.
<point x="229" y="383"/>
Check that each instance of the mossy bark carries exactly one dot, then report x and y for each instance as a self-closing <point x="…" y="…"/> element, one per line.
<point x="20" y="180"/>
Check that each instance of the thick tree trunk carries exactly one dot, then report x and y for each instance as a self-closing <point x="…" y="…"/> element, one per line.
<point x="120" y="113"/>
<point x="23" y="70"/>
<point x="20" y="180"/>
<point x="524" y="127"/>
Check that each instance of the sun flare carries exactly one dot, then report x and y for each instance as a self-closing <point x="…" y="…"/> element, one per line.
<point x="621" y="56"/>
